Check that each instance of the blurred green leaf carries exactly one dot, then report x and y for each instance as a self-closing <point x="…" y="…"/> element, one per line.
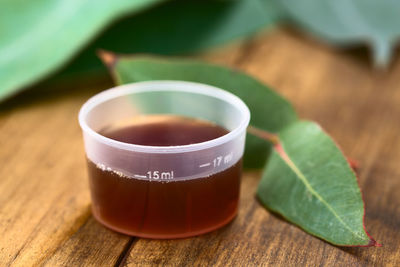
<point x="37" y="37"/>
<point x="309" y="182"/>
<point x="347" y="22"/>
<point x="179" y="27"/>
<point x="269" y="111"/>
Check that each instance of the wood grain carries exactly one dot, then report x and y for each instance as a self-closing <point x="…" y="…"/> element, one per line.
<point x="45" y="216"/>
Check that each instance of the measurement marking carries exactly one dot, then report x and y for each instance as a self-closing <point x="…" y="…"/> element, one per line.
<point x="159" y="175"/>
<point x="228" y="158"/>
<point x="205" y="165"/>
<point x="139" y="176"/>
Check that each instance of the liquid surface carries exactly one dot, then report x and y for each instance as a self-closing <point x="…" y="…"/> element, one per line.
<point x="159" y="209"/>
<point x="164" y="130"/>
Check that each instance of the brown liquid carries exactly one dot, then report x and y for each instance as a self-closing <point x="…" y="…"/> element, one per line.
<point x="159" y="209"/>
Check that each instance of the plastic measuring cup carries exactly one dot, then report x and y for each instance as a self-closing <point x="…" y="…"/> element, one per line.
<point x="164" y="191"/>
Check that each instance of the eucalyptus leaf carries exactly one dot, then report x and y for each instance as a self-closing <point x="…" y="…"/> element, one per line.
<point x="307" y="179"/>
<point x="178" y="27"/>
<point x="345" y="22"/>
<point x="310" y="183"/>
<point x="37" y="37"/>
<point x="269" y="110"/>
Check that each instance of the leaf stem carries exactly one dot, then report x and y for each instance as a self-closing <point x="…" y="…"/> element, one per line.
<point x="108" y="58"/>
<point x="270" y="137"/>
<point x="354" y="164"/>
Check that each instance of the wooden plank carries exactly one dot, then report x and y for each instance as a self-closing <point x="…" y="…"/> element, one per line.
<point x="44" y="197"/>
<point x="92" y="245"/>
<point x="45" y="213"/>
<point x="357" y="106"/>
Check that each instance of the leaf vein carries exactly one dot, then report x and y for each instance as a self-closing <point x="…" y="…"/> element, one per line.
<point x="280" y="150"/>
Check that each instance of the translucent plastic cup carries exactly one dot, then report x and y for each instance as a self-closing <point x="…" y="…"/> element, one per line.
<point x="164" y="191"/>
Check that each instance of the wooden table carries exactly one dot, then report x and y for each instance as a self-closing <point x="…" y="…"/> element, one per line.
<point x="45" y="216"/>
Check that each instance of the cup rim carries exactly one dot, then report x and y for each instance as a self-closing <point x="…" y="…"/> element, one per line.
<point x="164" y="85"/>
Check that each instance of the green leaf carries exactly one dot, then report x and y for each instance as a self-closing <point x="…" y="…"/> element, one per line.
<point x="346" y="22"/>
<point x="260" y="99"/>
<point x="310" y="183"/>
<point x="307" y="178"/>
<point x="37" y="37"/>
<point x="187" y="26"/>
